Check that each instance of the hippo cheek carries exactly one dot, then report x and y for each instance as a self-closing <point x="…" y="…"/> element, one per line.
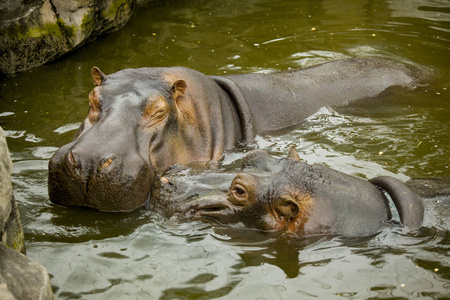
<point x="108" y="187"/>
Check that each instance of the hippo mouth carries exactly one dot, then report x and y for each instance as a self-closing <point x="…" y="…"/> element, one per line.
<point x="102" y="193"/>
<point x="212" y="211"/>
<point x="215" y="209"/>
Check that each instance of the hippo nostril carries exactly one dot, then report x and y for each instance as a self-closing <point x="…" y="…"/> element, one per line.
<point x="106" y="163"/>
<point x="72" y="159"/>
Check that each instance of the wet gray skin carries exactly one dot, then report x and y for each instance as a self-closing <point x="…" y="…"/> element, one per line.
<point x="286" y="194"/>
<point x="141" y="121"/>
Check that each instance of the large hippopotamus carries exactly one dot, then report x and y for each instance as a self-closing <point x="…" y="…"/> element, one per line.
<point x="287" y="194"/>
<point x="141" y="121"/>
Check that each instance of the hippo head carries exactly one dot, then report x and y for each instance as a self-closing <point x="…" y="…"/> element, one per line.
<point x="287" y="194"/>
<point x="261" y="196"/>
<point x="140" y="121"/>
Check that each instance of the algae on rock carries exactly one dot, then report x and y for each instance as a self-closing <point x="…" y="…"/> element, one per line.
<point x="37" y="31"/>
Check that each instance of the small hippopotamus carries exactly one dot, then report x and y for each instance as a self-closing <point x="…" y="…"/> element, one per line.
<point x="141" y="121"/>
<point x="287" y="194"/>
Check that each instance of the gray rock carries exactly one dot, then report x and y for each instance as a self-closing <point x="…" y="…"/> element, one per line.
<point x="12" y="235"/>
<point x="11" y="232"/>
<point x="20" y="277"/>
<point x="24" y="278"/>
<point x="5" y="293"/>
<point x="34" y="32"/>
<point x="5" y="181"/>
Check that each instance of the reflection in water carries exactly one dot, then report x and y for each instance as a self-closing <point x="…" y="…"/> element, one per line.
<point x="282" y="252"/>
<point x="421" y="9"/>
<point x="162" y="262"/>
<point x="93" y="255"/>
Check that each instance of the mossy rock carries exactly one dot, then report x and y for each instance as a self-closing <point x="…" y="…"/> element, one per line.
<point x="54" y="28"/>
<point x="11" y="232"/>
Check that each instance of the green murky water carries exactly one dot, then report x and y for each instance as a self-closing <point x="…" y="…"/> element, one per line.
<point x="139" y="255"/>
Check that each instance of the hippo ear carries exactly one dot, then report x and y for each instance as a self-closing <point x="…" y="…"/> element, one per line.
<point x="97" y="75"/>
<point x="178" y="88"/>
<point x="183" y="103"/>
<point x="287" y="207"/>
<point x="293" y="154"/>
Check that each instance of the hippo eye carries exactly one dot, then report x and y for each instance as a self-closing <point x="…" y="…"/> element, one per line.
<point x="239" y="193"/>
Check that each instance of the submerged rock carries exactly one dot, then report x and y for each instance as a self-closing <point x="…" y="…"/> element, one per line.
<point x="37" y="31"/>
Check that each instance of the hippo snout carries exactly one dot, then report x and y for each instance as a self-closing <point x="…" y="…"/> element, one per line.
<point x="90" y="163"/>
<point x="103" y="181"/>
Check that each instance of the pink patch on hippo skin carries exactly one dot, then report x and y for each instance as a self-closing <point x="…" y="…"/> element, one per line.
<point x="164" y="180"/>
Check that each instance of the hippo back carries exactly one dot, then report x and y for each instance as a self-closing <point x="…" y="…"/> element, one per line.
<point x="280" y="100"/>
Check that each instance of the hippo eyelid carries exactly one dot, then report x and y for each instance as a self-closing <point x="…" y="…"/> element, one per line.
<point x="158" y="112"/>
<point x="242" y="188"/>
<point x="238" y="194"/>
<point x="155" y="111"/>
